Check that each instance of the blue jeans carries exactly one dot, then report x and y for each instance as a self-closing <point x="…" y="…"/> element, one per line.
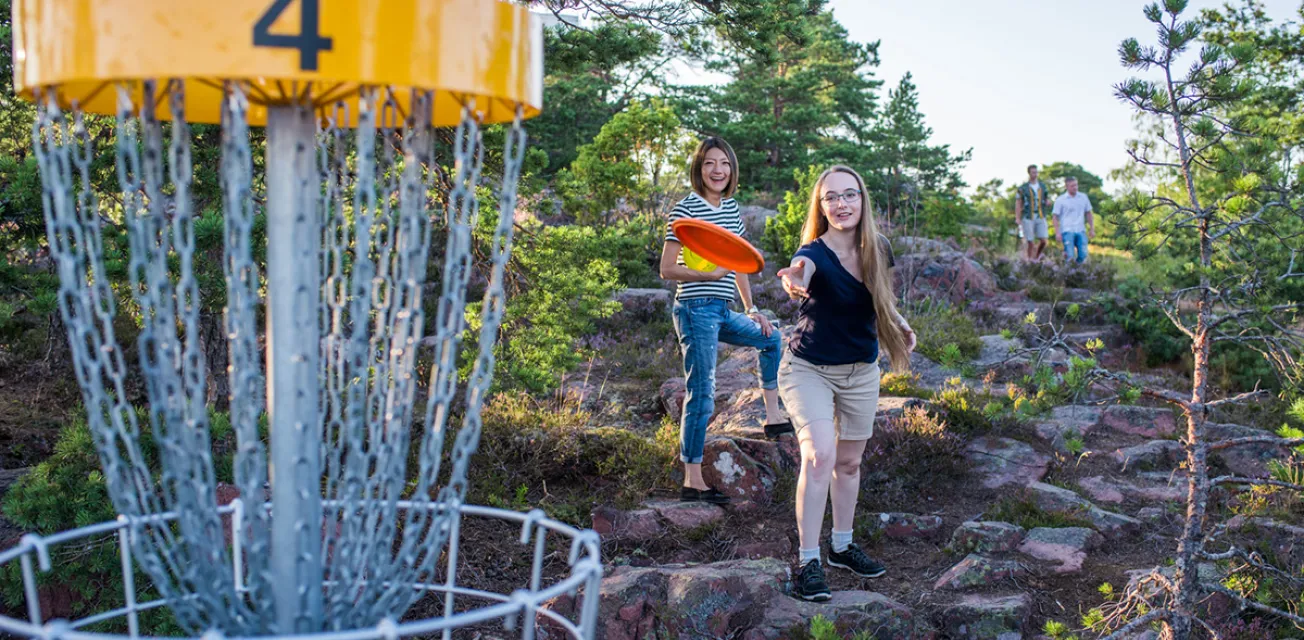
<point x="1075" y="241"/>
<point x="702" y="324"/>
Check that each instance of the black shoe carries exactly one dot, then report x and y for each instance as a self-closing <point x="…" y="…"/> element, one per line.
<point x="689" y="494"/>
<point x="810" y="584"/>
<point x="773" y="431"/>
<point x="856" y="561"/>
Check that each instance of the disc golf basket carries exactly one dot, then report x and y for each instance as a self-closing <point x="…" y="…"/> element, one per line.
<point x="344" y="520"/>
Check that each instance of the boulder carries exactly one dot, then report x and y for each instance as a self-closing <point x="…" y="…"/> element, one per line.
<point x="1067" y="421"/>
<point x="638" y="525"/>
<point x="985" y="537"/>
<point x="1063" y="501"/>
<point x="1247" y="460"/>
<point x="987" y="617"/>
<point x="1156" y="454"/>
<point x="1149" y="422"/>
<point x="1102" y="489"/>
<point x="996" y="349"/>
<point x="1286" y="540"/>
<point x="686" y="515"/>
<point x="1067" y="546"/>
<point x="850" y="611"/>
<point x="907" y="245"/>
<point x="735" y="599"/>
<point x="726" y="467"/>
<point x="978" y="571"/>
<point x="949" y="275"/>
<point x="754" y="219"/>
<point x="1005" y="462"/>
<point x="909" y="526"/>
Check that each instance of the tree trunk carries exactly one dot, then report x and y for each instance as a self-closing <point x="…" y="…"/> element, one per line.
<point x="213" y="342"/>
<point x="1190" y="545"/>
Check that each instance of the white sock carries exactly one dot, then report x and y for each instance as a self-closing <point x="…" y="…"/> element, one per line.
<point x="841" y="540"/>
<point x="806" y="555"/>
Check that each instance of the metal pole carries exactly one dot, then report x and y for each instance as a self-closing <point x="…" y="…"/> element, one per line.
<point x="293" y="244"/>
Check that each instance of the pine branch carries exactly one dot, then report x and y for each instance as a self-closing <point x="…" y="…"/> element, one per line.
<point x="1261" y="482"/>
<point x="1252" y="604"/>
<point x="1236" y="442"/>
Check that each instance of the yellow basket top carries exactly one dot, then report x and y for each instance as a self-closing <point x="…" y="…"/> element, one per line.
<point x="482" y="52"/>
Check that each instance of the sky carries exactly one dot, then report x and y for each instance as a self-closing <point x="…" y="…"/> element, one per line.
<point x="975" y="61"/>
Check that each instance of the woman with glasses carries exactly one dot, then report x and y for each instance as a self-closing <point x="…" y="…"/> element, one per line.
<point x="703" y="319"/>
<point x="829" y="375"/>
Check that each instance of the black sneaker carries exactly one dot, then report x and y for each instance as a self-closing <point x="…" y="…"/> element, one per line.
<point x="773" y="431"/>
<point x="689" y="494"/>
<point x="856" y="561"/>
<point x="810" y="584"/>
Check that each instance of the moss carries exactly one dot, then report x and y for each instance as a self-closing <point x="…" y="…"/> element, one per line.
<point x="1020" y="509"/>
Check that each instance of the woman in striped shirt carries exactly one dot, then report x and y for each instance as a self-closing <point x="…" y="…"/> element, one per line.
<point x="703" y="319"/>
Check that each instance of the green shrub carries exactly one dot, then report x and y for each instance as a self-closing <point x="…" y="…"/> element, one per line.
<point x="1161" y="342"/>
<point x="918" y="452"/>
<point x="903" y="385"/>
<point x="782" y="236"/>
<point x="939" y="327"/>
<point x="68" y="491"/>
<point x="537" y="444"/>
<point x="559" y="285"/>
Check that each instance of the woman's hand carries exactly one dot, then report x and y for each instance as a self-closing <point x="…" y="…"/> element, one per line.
<point x="717" y="273"/>
<point x="796" y="279"/>
<point x="760" y="319"/>
<point x="911" y="340"/>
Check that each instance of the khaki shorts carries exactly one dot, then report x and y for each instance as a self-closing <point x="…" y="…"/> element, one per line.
<point x="846" y="394"/>
<point x="1035" y="229"/>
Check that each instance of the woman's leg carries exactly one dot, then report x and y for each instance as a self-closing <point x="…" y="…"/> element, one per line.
<point x="818" y="442"/>
<point x="845" y="488"/>
<point x="698" y="327"/>
<point x="738" y="329"/>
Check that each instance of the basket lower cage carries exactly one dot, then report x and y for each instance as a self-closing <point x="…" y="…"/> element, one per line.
<point x="523" y="612"/>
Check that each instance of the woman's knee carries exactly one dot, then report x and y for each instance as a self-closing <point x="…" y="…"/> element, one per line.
<point x="847" y="466"/>
<point x="818" y="457"/>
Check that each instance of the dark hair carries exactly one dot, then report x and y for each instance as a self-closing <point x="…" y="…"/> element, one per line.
<point x="1031" y="167"/>
<point x="699" y="158"/>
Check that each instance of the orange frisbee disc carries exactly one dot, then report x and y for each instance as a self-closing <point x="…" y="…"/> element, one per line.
<point x="718" y="245"/>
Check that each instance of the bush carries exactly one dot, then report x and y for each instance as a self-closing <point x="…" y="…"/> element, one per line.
<point x="940" y="327"/>
<point x="916" y="452"/>
<point x="903" y="385"/>
<point x="560" y="284"/>
<point x="782" y="236"/>
<point x="549" y="449"/>
<point x="1160" y="341"/>
<point x="68" y="491"/>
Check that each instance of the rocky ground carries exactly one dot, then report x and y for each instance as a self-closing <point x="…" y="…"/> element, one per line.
<point x="987" y="533"/>
<point x="1098" y="488"/>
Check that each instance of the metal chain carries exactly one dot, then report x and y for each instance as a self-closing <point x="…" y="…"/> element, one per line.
<point x="374" y="194"/>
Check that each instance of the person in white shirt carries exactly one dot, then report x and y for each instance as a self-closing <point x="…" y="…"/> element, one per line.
<point x="1073" y="221"/>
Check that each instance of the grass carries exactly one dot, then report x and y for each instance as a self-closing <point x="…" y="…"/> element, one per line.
<point x="1020" y="509"/>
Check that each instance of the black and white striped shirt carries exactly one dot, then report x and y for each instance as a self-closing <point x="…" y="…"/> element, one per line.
<point x="694" y="206"/>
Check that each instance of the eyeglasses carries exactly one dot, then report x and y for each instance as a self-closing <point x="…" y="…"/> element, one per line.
<point x="851" y="197"/>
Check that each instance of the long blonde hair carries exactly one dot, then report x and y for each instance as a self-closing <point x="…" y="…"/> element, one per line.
<point x="873" y="264"/>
